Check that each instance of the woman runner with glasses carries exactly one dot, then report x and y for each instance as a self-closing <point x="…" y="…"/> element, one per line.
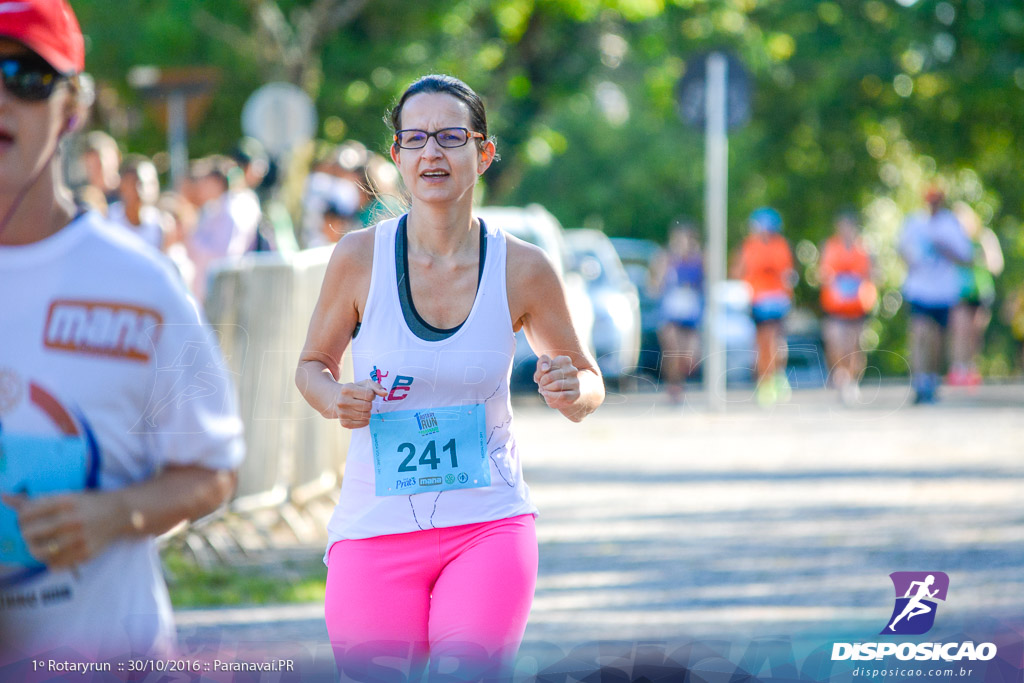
<point x="432" y="551"/>
<point x="98" y="453"/>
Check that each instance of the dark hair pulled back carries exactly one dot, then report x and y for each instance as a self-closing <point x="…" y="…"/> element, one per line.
<point x="446" y="85"/>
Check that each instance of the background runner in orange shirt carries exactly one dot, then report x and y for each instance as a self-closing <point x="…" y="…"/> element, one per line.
<point x="766" y="265"/>
<point x="847" y="296"/>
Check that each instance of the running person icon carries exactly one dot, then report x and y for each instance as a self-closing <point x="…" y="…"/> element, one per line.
<point x="916" y="607"/>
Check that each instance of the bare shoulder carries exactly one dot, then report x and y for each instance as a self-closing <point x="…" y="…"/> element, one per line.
<point x="349" y="270"/>
<point x="527" y="262"/>
<point x="355" y="249"/>
<point x="342" y="299"/>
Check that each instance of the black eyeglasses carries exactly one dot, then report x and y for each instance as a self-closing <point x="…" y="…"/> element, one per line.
<point x="410" y="138"/>
<point x="29" y="77"/>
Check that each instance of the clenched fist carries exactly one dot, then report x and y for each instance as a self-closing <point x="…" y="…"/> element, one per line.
<point x="352" y="402"/>
<point x="558" y="381"/>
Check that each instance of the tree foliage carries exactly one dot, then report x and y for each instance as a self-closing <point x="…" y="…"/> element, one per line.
<point x="857" y="103"/>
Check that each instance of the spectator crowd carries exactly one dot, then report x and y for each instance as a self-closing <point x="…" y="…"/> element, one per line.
<point x="224" y="208"/>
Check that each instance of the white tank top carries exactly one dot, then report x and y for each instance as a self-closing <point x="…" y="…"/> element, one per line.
<point x="471" y="364"/>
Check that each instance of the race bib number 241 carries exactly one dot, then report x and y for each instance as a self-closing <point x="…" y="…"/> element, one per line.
<point x="440" y="449"/>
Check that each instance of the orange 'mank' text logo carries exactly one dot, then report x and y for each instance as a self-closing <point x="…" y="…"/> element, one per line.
<point x="101" y="328"/>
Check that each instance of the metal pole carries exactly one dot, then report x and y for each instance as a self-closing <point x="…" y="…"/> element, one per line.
<point x="716" y="174"/>
<point x="177" y="136"/>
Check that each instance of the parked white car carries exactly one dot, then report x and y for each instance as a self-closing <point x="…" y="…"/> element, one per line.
<point x="615" y="300"/>
<point x="536" y="225"/>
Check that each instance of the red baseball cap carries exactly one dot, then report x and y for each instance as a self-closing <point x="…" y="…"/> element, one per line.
<point x="48" y="28"/>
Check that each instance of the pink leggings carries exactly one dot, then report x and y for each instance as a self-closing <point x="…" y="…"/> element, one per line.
<point x="458" y="596"/>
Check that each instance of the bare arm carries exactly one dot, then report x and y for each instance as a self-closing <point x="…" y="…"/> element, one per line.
<point x="66" y="530"/>
<point x="992" y="251"/>
<point x="790" y="276"/>
<point x="338" y="310"/>
<point x="656" y="275"/>
<point x="738" y="266"/>
<point x="567" y="376"/>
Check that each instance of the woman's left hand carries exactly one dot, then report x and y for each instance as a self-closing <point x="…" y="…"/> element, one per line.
<point x="567" y="376"/>
<point x="65" y="530"/>
<point x="558" y="381"/>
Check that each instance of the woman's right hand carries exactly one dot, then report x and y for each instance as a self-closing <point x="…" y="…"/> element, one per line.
<point x="352" y="402"/>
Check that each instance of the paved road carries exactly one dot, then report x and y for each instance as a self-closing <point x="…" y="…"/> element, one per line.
<point x="673" y="523"/>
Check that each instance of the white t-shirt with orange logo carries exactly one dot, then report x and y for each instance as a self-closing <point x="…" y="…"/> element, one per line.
<point x="99" y="341"/>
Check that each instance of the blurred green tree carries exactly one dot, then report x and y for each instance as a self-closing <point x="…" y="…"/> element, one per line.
<point x="857" y="103"/>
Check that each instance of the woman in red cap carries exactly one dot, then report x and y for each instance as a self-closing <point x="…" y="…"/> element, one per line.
<point x="104" y="441"/>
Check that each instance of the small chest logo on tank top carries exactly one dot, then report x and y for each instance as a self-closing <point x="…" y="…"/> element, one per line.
<point x="400" y="388"/>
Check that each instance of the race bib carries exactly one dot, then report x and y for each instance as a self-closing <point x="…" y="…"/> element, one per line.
<point x="440" y="449"/>
<point x="35" y="465"/>
<point x="848" y="286"/>
<point x="682" y="303"/>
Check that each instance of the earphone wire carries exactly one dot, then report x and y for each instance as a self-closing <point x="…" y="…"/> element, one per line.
<point x="20" y="197"/>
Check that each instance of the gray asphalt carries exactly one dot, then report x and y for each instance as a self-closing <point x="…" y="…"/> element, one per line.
<point x="664" y="523"/>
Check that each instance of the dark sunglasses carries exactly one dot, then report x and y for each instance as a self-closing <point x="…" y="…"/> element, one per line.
<point x="29" y="77"/>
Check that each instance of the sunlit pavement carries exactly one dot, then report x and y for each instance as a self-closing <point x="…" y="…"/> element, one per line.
<point x="675" y="522"/>
<point x="671" y="522"/>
